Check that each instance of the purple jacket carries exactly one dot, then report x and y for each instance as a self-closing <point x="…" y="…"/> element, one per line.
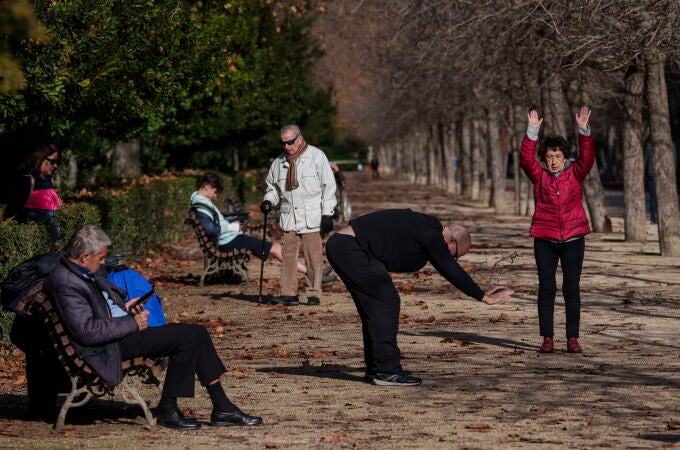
<point x="87" y="318"/>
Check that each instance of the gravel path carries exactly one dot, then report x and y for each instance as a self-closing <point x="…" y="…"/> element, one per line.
<point x="485" y="386"/>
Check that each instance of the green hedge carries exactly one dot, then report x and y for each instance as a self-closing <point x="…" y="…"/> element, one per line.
<point x="146" y="217"/>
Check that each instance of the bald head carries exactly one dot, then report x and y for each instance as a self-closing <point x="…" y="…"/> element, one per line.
<point x="457" y="239"/>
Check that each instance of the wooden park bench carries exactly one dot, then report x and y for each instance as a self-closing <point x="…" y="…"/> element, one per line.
<point x="228" y="265"/>
<point x="85" y="383"/>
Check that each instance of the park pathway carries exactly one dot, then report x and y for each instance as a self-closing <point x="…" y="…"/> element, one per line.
<point x="485" y="386"/>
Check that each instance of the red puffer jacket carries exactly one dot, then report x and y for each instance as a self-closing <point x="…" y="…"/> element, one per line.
<point x="559" y="214"/>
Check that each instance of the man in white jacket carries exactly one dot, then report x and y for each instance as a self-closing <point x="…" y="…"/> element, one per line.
<point x="302" y="182"/>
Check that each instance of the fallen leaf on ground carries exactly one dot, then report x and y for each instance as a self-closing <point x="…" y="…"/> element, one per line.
<point x="335" y="437"/>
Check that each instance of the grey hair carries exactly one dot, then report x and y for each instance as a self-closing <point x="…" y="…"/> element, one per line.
<point x="88" y="239"/>
<point x="293" y="127"/>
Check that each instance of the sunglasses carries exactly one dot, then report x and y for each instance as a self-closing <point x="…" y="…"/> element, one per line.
<point x="291" y="142"/>
<point x="54" y="162"/>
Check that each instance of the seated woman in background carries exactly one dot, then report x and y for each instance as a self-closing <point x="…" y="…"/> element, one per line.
<point x="229" y="235"/>
<point x="34" y="197"/>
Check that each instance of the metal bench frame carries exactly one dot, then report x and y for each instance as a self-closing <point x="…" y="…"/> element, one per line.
<point x="231" y="265"/>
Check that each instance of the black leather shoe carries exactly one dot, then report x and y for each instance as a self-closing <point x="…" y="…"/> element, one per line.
<point x="313" y="301"/>
<point x="233" y="418"/>
<point x="287" y="300"/>
<point x="175" y="419"/>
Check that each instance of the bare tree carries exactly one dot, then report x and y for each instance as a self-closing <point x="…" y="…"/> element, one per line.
<point x="633" y="161"/>
<point x="664" y="164"/>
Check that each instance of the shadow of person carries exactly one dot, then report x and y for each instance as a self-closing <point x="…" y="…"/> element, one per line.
<point x="331" y="371"/>
<point x="477" y="339"/>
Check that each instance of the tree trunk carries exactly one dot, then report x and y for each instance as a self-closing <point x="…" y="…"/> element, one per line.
<point x="125" y="160"/>
<point x="236" y="162"/>
<point x="451" y="158"/>
<point x="560" y="120"/>
<point x="633" y="158"/>
<point x="465" y="159"/>
<point x="72" y="177"/>
<point x="475" y="160"/>
<point x="523" y="204"/>
<point x="484" y="152"/>
<point x="498" y="163"/>
<point x="662" y="154"/>
<point x="442" y="164"/>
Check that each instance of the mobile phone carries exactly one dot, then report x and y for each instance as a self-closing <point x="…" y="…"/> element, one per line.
<point x="145" y="298"/>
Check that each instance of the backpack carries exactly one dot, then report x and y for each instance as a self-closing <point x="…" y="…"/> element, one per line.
<point x="23" y="277"/>
<point x="136" y="285"/>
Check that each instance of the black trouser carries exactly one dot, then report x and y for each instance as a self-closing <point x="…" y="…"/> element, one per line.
<point x="570" y="255"/>
<point x="190" y="350"/>
<point x="375" y="297"/>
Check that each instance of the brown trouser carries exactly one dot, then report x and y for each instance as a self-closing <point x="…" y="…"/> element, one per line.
<point x="313" y="251"/>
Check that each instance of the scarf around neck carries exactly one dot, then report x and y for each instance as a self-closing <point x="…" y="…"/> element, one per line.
<point x="291" y="179"/>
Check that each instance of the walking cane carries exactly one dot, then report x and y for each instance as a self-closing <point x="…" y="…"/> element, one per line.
<point x="264" y="241"/>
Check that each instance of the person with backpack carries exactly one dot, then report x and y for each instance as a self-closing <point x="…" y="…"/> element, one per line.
<point x="34" y="197"/>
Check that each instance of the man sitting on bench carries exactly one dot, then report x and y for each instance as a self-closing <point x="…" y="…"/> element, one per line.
<point x="105" y="330"/>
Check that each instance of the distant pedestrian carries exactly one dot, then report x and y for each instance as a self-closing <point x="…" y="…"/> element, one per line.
<point x="560" y="223"/>
<point x="375" y="168"/>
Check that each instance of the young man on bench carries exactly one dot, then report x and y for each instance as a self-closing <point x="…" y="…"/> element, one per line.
<point x="228" y="234"/>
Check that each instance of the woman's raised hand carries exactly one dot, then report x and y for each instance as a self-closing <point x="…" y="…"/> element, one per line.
<point x="533" y="118"/>
<point x="582" y="117"/>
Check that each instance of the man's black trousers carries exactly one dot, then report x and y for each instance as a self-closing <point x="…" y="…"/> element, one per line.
<point x="375" y="297"/>
<point x="190" y="350"/>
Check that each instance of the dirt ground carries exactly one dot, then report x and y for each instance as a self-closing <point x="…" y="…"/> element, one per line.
<point x="485" y="386"/>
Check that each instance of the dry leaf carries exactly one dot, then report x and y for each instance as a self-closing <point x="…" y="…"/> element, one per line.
<point x="318" y="354"/>
<point x="406" y="287"/>
<point x="478" y="426"/>
<point x="271" y="445"/>
<point x="335" y="437"/>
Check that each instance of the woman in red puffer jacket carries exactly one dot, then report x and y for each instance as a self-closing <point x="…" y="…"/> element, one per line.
<point x="560" y="223"/>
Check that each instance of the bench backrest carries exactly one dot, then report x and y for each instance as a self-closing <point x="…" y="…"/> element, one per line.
<point x="36" y="301"/>
<point x="209" y="244"/>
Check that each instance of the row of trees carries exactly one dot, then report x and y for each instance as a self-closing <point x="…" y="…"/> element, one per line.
<point x="183" y="83"/>
<point x="453" y="82"/>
